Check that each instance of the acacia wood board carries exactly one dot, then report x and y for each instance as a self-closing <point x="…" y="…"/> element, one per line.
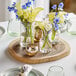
<point x="60" y="50"/>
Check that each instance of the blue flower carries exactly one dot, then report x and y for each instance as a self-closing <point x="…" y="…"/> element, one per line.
<point x="28" y="4"/>
<point x="66" y="15"/>
<point x="33" y="0"/>
<point x="56" y="20"/>
<point x="14" y="3"/>
<point x="24" y="6"/>
<point x="56" y="27"/>
<point x="54" y="7"/>
<point x="10" y="8"/>
<point x="15" y="10"/>
<point x="61" y="5"/>
<point x="17" y="17"/>
<point x="56" y="14"/>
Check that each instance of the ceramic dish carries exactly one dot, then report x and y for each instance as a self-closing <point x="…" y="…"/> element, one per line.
<point x="15" y="72"/>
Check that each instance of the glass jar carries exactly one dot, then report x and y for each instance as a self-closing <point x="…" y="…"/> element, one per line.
<point x="27" y="39"/>
<point x="55" y="71"/>
<point x="13" y="28"/>
<point x="52" y="39"/>
<point x="65" y="26"/>
<point x="45" y="44"/>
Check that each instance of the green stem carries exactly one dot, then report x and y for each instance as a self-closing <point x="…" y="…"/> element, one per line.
<point x="25" y="36"/>
<point x="49" y="44"/>
<point x="53" y="34"/>
<point x="32" y="40"/>
<point x="27" y="30"/>
<point x="46" y="38"/>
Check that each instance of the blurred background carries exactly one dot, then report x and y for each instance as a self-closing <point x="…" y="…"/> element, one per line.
<point x="46" y="4"/>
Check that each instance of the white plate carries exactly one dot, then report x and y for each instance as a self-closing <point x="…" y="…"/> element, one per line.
<point x="15" y="72"/>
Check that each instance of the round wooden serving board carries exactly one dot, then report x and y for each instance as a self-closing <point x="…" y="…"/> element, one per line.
<point x="59" y="51"/>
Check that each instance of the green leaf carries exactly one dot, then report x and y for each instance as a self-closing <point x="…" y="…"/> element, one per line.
<point x="34" y="13"/>
<point x="18" y="5"/>
<point x="53" y="34"/>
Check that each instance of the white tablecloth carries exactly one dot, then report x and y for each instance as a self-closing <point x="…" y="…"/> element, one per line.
<point x="68" y="63"/>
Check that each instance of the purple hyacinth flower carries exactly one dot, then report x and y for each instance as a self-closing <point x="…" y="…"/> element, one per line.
<point x="56" y="13"/>
<point x="54" y="7"/>
<point x="10" y="8"/>
<point x="56" y="27"/>
<point x="28" y="4"/>
<point x="15" y="10"/>
<point x="14" y="3"/>
<point x="61" y="5"/>
<point x="24" y="7"/>
<point x="17" y="17"/>
<point x="56" y="20"/>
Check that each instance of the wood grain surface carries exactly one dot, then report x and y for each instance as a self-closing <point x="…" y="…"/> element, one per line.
<point x="58" y="51"/>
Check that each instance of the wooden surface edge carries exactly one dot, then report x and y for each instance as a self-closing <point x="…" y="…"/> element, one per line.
<point x="38" y="61"/>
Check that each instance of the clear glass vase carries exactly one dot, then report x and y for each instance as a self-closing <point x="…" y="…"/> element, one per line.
<point x="65" y="26"/>
<point x="54" y="40"/>
<point x="13" y="28"/>
<point x="27" y="39"/>
<point x="44" y="44"/>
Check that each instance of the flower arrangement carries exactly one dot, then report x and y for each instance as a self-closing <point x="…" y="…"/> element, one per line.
<point x="26" y="14"/>
<point x="57" y="18"/>
<point x="42" y="29"/>
<point x="53" y="24"/>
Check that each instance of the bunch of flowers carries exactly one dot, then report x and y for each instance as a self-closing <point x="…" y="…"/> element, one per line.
<point x="57" y="18"/>
<point x="26" y="14"/>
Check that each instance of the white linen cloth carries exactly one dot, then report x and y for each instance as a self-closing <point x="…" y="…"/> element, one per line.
<point x="68" y="63"/>
<point x="72" y="18"/>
